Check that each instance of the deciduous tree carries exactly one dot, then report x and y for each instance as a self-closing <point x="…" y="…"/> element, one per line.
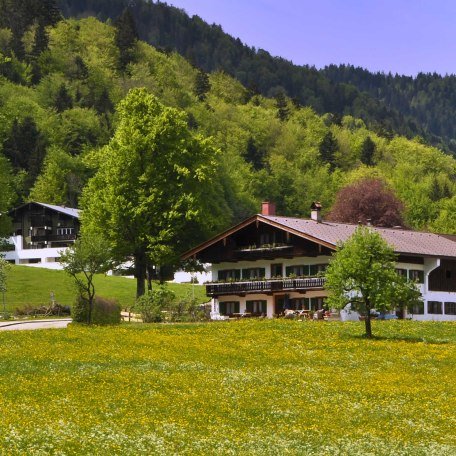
<point x="88" y="256"/>
<point x="367" y="200"/>
<point x="362" y="273"/>
<point x="154" y="194"/>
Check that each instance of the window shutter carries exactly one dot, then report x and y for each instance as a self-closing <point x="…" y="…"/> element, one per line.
<point x="263" y="306"/>
<point x="288" y="271"/>
<point x="237" y="274"/>
<point x="262" y="272"/>
<point x="222" y="308"/>
<point x="313" y="270"/>
<point x="236" y="307"/>
<point x="249" y="306"/>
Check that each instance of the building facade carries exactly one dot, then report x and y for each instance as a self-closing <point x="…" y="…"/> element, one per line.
<point x="268" y="263"/>
<point x="40" y="232"/>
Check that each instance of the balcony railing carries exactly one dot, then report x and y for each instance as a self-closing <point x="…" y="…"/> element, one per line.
<point x="54" y="238"/>
<point x="264" y="286"/>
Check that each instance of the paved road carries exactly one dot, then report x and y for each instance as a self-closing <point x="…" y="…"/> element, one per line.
<point x="34" y="324"/>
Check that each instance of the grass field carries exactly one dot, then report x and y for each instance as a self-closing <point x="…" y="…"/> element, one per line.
<point x="246" y="387"/>
<point x="32" y="286"/>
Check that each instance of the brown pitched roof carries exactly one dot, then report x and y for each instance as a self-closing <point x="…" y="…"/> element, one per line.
<point x="330" y="234"/>
<point x="403" y="241"/>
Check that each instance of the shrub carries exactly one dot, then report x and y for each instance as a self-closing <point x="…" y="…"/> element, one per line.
<point x="105" y="311"/>
<point x="152" y="304"/>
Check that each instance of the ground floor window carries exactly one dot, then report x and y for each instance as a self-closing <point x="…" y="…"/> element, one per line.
<point x="417" y="309"/>
<point x="434" y="307"/>
<point x="256" y="307"/>
<point x="450" y="308"/>
<point x="228" y="307"/>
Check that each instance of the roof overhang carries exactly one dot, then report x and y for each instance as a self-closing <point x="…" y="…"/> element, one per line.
<point x="255" y="218"/>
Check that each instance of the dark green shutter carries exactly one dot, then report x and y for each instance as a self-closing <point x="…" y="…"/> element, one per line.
<point x="313" y="270"/>
<point x="237" y="274"/>
<point x="263" y="307"/>
<point x="262" y="273"/>
<point x="222" y="308"/>
<point x="288" y="271"/>
<point x="249" y="306"/>
<point x="236" y="307"/>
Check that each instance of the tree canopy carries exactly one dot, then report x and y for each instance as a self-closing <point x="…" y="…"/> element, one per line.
<point x="367" y="201"/>
<point x="362" y="273"/>
<point x="154" y="192"/>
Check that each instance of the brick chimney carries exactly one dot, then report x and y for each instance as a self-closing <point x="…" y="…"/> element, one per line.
<point x="315" y="211"/>
<point x="268" y="208"/>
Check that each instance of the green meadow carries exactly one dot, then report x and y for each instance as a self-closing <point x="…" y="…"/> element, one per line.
<point x="239" y="388"/>
<point x="33" y="286"/>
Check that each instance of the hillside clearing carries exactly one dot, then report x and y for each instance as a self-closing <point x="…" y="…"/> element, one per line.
<point x="32" y="286"/>
<point x="246" y="387"/>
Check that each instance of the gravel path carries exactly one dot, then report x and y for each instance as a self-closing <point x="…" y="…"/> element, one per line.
<point x="34" y="324"/>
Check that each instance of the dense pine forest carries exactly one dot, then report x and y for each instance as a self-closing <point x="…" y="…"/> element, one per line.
<point x="283" y="133"/>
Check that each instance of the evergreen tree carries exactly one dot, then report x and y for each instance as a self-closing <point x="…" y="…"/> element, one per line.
<point x="41" y="40"/>
<point x="328" y="148"/>
<point x="63" y="99"/>
<point x="126" y="37"/>
<point x="254" y="155"/>
<point x="367" y="151"/>
<point x="202" y="85"/>
<point x="282" y="107"/>
<point x="81" y="71"/>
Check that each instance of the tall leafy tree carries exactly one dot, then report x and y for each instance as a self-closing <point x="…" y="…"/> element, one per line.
<point x="362" y="273"/>
<point x="154" y="193"/>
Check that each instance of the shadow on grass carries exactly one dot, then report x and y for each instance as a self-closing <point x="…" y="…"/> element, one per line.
<point x="410" y="339"/>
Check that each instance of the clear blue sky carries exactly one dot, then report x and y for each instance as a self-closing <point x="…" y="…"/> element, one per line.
<point x="403" y="36"/>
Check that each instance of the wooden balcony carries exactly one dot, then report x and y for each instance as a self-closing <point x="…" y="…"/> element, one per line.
<point x="54" y="238"/>
<point x="269" y="286"/>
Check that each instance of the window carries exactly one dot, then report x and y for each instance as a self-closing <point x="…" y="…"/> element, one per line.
<point x="417" y="309"/>
<point x="229" y="274"/>
<point x="450" y="308"/>
<point x="64" y="231"/>
<point x="305" y="270"/>
<point x="276" y="270"/>
<point x="253" y="273"/>
<point x="300" y="304"/>
<point x="228" y="307"/>
<point x="416" y="276"/>
<point x="401" y="272"/>
<point x="317" y="303"/>
<point x="256" y="307"/>
<point x="434" y="307"/>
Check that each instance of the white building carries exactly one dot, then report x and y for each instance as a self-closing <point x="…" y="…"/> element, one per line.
<point x="40" y="232"/>
<point x="268" y="263"/>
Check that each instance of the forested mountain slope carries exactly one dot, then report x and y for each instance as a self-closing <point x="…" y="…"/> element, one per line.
<point x="388" y="104"/>
<point x="57" y="104"/>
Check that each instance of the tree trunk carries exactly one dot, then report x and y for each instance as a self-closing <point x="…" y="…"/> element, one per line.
<point x="368" y="320"/>
<point x="91" y="294"/>
<point x="140" y="272"/>
<point x="149" y="278"/>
